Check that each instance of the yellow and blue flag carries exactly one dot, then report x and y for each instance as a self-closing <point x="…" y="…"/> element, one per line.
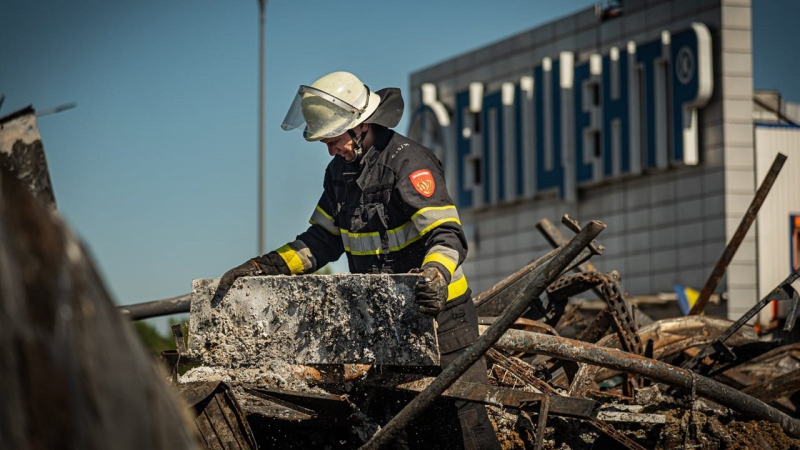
<point x="686" y="298"/>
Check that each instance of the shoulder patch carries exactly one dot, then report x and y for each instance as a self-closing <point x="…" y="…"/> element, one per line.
<point x="422" y="180"/>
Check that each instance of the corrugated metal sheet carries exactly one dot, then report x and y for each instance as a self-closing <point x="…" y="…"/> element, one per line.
<point x="784" y="200"/>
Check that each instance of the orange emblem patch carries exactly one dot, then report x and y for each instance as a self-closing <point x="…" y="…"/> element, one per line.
<point x="422" y="180"/>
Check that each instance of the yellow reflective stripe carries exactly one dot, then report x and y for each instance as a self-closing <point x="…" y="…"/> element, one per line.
<point x="448" y="263"/>
<point x="359" y="235"/>
<point x="457" y="288"/>
<point x="322" y="211"/>
<point x="292" y="259"/>
<point x="399" y="247"/>
<point x="369" y="243"/>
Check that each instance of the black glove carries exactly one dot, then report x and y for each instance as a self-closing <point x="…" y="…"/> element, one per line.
<point x="430" y="292"/>
<point x="269" y="264"/>
<point x="248" y="269"/>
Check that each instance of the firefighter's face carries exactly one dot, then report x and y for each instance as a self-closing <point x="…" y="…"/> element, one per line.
<point x="343" y="144"/>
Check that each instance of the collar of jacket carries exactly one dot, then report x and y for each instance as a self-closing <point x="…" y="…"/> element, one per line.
<point x="382" y="137"/>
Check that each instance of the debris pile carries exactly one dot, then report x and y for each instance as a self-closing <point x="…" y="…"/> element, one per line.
<point x="560" y="377"/>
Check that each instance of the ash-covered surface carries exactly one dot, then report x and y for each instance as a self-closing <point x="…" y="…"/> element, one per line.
<point x="311" y="319"/>
<point x="275" y="374"/>
<point x="699" y="424"/>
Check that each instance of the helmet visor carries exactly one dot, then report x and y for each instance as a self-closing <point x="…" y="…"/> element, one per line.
<point x="323" y="115"/>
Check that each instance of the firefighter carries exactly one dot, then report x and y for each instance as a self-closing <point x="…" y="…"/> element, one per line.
<point x="385" y="205"/>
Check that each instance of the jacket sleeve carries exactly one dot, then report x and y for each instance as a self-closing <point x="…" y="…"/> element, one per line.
<point x="422" y="190"/>
<point x="321" y="243"/>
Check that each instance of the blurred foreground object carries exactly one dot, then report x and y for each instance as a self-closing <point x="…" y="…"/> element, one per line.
<point x="74" y="374"/>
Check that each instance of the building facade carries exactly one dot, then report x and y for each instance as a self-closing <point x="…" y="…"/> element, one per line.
<point x="640" y="116"/>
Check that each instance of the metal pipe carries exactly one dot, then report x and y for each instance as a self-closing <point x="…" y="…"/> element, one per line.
<point x="584" y="352"/>
<point x="549" y="272"/>
<point x="156" y="308"/>
<point x="262" y="6"/>
<point x="738" y="236"/>
<point x="669" y="336"/>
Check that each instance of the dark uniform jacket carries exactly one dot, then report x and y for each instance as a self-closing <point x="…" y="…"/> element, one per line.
<point x="390" y="213"/>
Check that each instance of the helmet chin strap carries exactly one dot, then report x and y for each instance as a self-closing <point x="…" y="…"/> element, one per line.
<point x="358" y="150"/>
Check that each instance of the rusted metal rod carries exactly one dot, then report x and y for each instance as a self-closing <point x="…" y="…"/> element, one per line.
<point x="738" y="236"/>
<point x="584" y="352"/>
<point x="550" y="271"/>
<point x="518" y="278"/>
<point x="156" y="308"/>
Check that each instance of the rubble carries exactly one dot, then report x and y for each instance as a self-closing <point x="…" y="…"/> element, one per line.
<point x="619" y="385"/>
<point x="310" y="319"/>
<point x="617" y="379"/>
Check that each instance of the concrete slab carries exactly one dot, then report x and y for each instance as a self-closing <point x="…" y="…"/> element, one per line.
<point x="311" y="319"/>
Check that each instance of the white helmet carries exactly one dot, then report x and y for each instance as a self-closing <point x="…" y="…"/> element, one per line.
<point x="332" y="105"/>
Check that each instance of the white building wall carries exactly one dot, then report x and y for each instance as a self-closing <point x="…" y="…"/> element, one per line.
<point x="783" y="200"/>
<point x="736" y="90"/>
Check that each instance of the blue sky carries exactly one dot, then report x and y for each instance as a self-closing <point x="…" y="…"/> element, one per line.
<point x="156" y="168"/>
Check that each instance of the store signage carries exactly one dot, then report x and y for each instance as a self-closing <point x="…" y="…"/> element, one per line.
<point x="567" y="125"/>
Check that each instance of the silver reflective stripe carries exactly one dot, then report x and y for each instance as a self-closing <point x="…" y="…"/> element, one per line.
<point x="362" y="243"/>
<point x="325" y="220"/>
<point x="422" y="222"/>
<point x="445" y="256"/>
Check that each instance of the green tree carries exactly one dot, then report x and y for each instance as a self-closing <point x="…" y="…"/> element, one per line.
<point x="156" y="342"/>
<point x="325" y="270"/>
<point x="152" y="339"/>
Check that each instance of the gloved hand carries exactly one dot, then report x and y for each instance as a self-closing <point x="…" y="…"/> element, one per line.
<point x="248" y="269"/>
<point x="430" y="292"/>
<point x="269" y="264"/>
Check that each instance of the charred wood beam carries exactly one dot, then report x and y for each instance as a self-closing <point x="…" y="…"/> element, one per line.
<point x="501" y="397"/>
<point x="544" y="409"/>
<point x="218" y="416"/>
<point x="776" y="353"/>
<point x="256" y="402"/>
<point x="574" y="249"/>
<point x="775" y="388"/>
<point x="583" y="352"/>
